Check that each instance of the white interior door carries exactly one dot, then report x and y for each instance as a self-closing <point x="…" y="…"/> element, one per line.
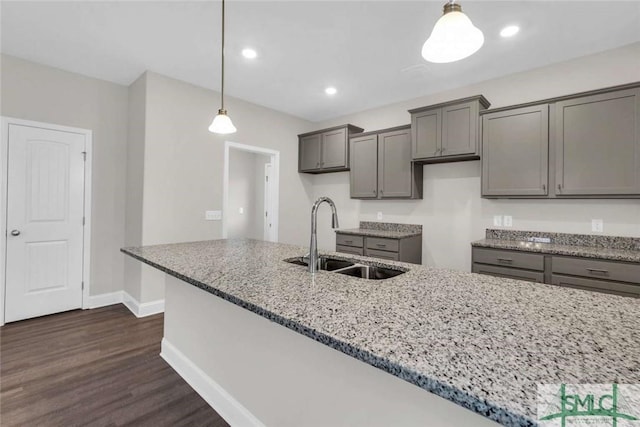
<point x="45" y="204"/>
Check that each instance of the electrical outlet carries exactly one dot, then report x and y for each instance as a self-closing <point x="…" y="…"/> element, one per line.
<point x="379" y="216"/>
<point x="213" y="215"/>
<point x="241" y="211"/>
<point x="497" y="220"/>
<point x="507" y="221"/>
<point x="597" y="225"/>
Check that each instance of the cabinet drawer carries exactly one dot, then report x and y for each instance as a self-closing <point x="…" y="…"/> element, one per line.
<point x="509" y="273"/>
<point x="624" y="289"/>
<point x="596" y="269"/>
<point x="392" y="256"/>
<point x="382" y="244"/>
<point x="349" y="240"/>
<point x="349" y="250"/>
<point x="509" y="258"/>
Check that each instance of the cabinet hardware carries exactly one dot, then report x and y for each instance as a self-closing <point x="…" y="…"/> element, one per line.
<point x="544" y="187"/>
<point x="507" y="260"/>
<point x="380" y="245"/>
<point x="15" y="232"/>
<point x="559" y="187"/>
<point x="442" y="150"/>
<point x="322" y="164"/>
<point x="348" y="241"/>
<point x="318" y="164"/>
<point x="597" y="270"/>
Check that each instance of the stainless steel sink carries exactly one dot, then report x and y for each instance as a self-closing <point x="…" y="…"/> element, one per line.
<point x="370" y="272"/>
<point x="348" y="268"/>
<point x="326" y="263"/>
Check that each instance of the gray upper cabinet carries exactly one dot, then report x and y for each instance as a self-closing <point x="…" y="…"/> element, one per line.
<point x="394" y="164"/>
<point x="381" y="166"/>
<point x="310" y="152"/>
<point x="426" y="127"/>
<point x="598" y="144"/>
<point x="325" y="150"/>
<point x="364" y="167"/>
<point x="585" y="145"/>
<point x="515" y="149"/>
<point x="447" y="132"/>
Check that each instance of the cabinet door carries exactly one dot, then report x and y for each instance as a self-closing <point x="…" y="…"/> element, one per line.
<point x="426" y="134"/>
<point x="394" y="164"/>
<point x="364" y="167"/>
<point x="309" y="148"/>
<point x="460" y="129"/>
<point x="334" y="149"/>
<point x="598" y="144"/>
<point x="515" y="147"/>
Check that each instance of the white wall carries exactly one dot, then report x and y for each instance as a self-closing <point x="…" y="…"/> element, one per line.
<point x="36" y="92"/>
<point x="183" y="166"/>
<point x="452" y="212"/>
<point x="242" y="194"/>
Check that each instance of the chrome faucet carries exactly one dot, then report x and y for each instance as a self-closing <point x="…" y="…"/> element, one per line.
<point x="313" y="248"/>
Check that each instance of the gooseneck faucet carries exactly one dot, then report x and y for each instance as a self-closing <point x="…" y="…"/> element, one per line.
<point x="313" y="248"/>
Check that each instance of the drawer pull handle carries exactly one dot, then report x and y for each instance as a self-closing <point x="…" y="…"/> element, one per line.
<point x="597" y="270"/>
<point x="505" y="260"/>
<point x="348" y="241"/>
<point x="380" y="245"/>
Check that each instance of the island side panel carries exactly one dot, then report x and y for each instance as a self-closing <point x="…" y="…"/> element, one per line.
<point x="271" y="375"/>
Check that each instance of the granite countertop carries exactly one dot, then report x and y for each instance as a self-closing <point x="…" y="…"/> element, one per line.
<point x="579" y="245"/>
<point x="384" y="229"/>
<point x="480" y="341"/>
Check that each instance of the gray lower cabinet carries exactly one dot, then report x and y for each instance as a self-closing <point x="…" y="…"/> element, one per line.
<point x="447" y="132"/>
<point x="598" y="144"/>
<point x="508" y="264"/>
<point x="325" y="150"/>
<point x="381" y="166"/>
<point x="621" y="278"/>
<point x="406" y="249"/>
<point x="515" y="152"/>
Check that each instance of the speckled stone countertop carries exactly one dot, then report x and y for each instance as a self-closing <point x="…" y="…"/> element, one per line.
<point x="612" y="248"/>
<point x="384" y="229"/>
<point x="480" y="341"/>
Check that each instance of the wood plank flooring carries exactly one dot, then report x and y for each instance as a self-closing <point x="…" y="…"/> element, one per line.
<point x="96" y="367"/>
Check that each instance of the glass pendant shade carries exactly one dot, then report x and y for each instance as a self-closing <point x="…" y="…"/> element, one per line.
<point x="453" y="38"/>
<point x="222" y="124"/>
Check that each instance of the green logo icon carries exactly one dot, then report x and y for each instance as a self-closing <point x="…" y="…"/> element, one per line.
<point x="604" y="408"/>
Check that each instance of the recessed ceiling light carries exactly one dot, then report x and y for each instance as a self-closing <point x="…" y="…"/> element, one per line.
<point x="331" y="90"/>
<point x="510" y="31"/>
<point x="249" y="53"/>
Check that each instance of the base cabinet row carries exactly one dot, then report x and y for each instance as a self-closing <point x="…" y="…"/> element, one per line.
<point x="406" y="249"/>
<point x="622" y="278"/>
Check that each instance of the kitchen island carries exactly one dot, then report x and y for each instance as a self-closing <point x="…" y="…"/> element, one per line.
<point x="480" y="342"/>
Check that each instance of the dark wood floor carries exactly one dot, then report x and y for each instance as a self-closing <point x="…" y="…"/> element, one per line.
<point x="96" y="367"/>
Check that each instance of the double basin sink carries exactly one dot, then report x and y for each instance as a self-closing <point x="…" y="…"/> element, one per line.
<point x="348" y="268"/>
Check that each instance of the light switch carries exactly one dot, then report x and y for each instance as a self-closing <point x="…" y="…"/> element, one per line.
<point x="213" y="215"/>
<point x="379" y="216"/>
<point x="497" y="220"/>
<point x="507" y="221"/>
<point x="597" y="225"/>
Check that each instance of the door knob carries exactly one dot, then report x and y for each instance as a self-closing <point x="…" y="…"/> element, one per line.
<point x="15" y="232"/>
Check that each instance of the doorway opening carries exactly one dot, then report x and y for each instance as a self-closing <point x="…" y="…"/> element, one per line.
<point x="250" y="192"/>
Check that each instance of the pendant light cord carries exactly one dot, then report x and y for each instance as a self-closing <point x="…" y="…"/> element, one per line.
<point x="222" y="89"/>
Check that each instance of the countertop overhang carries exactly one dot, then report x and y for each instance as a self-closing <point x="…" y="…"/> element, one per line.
<point x="479" y="341"/>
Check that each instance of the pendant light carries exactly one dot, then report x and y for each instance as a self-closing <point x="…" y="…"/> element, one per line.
<point x="453" y="37"/>
<point x="221" y="122"/>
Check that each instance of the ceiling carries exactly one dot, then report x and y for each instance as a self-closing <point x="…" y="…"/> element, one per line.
<point x="368" y="50"/>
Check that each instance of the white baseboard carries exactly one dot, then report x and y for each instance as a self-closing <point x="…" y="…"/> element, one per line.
<point x="142" y="309"/>
<point x="139" y="309"/>
<point x="103" y="300"/>
<point x="217" y="397"/>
